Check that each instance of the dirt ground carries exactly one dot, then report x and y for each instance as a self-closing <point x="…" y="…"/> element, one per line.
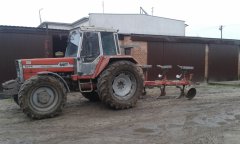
<point x="212" y="117"/>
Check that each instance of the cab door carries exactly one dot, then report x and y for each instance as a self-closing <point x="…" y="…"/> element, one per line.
<point x="89" y="53"/>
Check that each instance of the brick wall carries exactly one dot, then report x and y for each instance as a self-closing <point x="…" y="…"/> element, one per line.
<point x="139" y="50"/>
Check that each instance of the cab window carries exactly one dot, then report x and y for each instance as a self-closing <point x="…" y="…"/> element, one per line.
<point x="108" y="43"/>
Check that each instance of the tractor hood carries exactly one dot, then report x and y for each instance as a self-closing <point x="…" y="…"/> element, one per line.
<point x="47" y="62"/>
<point x="31" y="67"/>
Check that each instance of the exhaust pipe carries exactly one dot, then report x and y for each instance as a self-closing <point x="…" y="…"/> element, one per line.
<point x="190" y="92"/>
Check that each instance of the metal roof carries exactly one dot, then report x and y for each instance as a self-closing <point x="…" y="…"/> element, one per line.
<point x="183" y="39"/>
<point x="84" y="19"/>
<point x="20" y="29"/>
<point x="43" y="24"/>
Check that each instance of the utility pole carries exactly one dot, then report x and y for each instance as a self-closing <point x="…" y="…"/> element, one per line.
<point x="152" y="10"/>
<point x="40" y="18"/>
<point x="221" y="29"/>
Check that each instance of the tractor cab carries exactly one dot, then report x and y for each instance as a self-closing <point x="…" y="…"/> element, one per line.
<point x="88" y="44"/>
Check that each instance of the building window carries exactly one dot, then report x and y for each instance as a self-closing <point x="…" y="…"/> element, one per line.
<point x="127" y="51"/>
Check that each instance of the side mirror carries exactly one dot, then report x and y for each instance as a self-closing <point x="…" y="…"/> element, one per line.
<point x="59" y="54"/>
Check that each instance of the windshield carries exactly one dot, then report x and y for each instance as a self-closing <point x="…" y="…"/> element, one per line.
<point x="73" y="42"/>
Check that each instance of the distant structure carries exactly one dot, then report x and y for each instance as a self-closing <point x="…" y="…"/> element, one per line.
<point x="126" y="24"/>
<point x="221" y="29"/>
<point x="142" y="11"/>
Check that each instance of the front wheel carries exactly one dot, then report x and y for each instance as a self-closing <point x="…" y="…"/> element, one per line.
<point x="42" y="97"/>
<point x="120" y="85"/>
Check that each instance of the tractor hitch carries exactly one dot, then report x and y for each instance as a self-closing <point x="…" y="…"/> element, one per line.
<point x="11" y="87"/>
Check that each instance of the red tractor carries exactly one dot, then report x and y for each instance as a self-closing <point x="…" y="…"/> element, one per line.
<point x="92" y="65"/>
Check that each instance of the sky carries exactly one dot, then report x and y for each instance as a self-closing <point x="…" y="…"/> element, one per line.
<point x="203" y="17"/>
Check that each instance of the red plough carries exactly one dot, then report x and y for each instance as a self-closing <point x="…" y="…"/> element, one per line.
<point x="183" y="81"/>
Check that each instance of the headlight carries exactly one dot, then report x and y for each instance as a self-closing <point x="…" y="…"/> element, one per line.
<point x="19" y="70"/>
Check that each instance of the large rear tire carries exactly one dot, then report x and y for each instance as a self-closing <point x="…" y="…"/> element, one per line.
<point x="120" y="85"/>
<point x="42" y="97"/>
<point x="91" y="96"/>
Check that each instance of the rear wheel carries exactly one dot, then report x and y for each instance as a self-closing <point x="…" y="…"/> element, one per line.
<point x="91" y="96"/>
<point x="42" y="97"/>
<point x="120" y="85"/>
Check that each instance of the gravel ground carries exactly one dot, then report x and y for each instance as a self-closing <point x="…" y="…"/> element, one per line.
<point x="212" y="117"/>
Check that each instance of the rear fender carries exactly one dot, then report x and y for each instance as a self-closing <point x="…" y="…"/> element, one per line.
<point x="105" y="61"/>
<point x="56" y="76"/>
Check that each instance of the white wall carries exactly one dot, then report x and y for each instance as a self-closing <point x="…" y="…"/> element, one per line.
<point x="138" y="24"/>
<point x="130" y="24"/>
<point x="86" y="23"/>
<point x="60" y="27"/>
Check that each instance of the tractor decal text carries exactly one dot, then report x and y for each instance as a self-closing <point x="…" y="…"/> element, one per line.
<point x="60" y="65"/>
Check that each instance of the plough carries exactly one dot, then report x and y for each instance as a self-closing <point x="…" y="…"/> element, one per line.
<point x="183" y="81"/>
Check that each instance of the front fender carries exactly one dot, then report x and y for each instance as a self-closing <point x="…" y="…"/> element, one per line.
<point x="56" y="76"/>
